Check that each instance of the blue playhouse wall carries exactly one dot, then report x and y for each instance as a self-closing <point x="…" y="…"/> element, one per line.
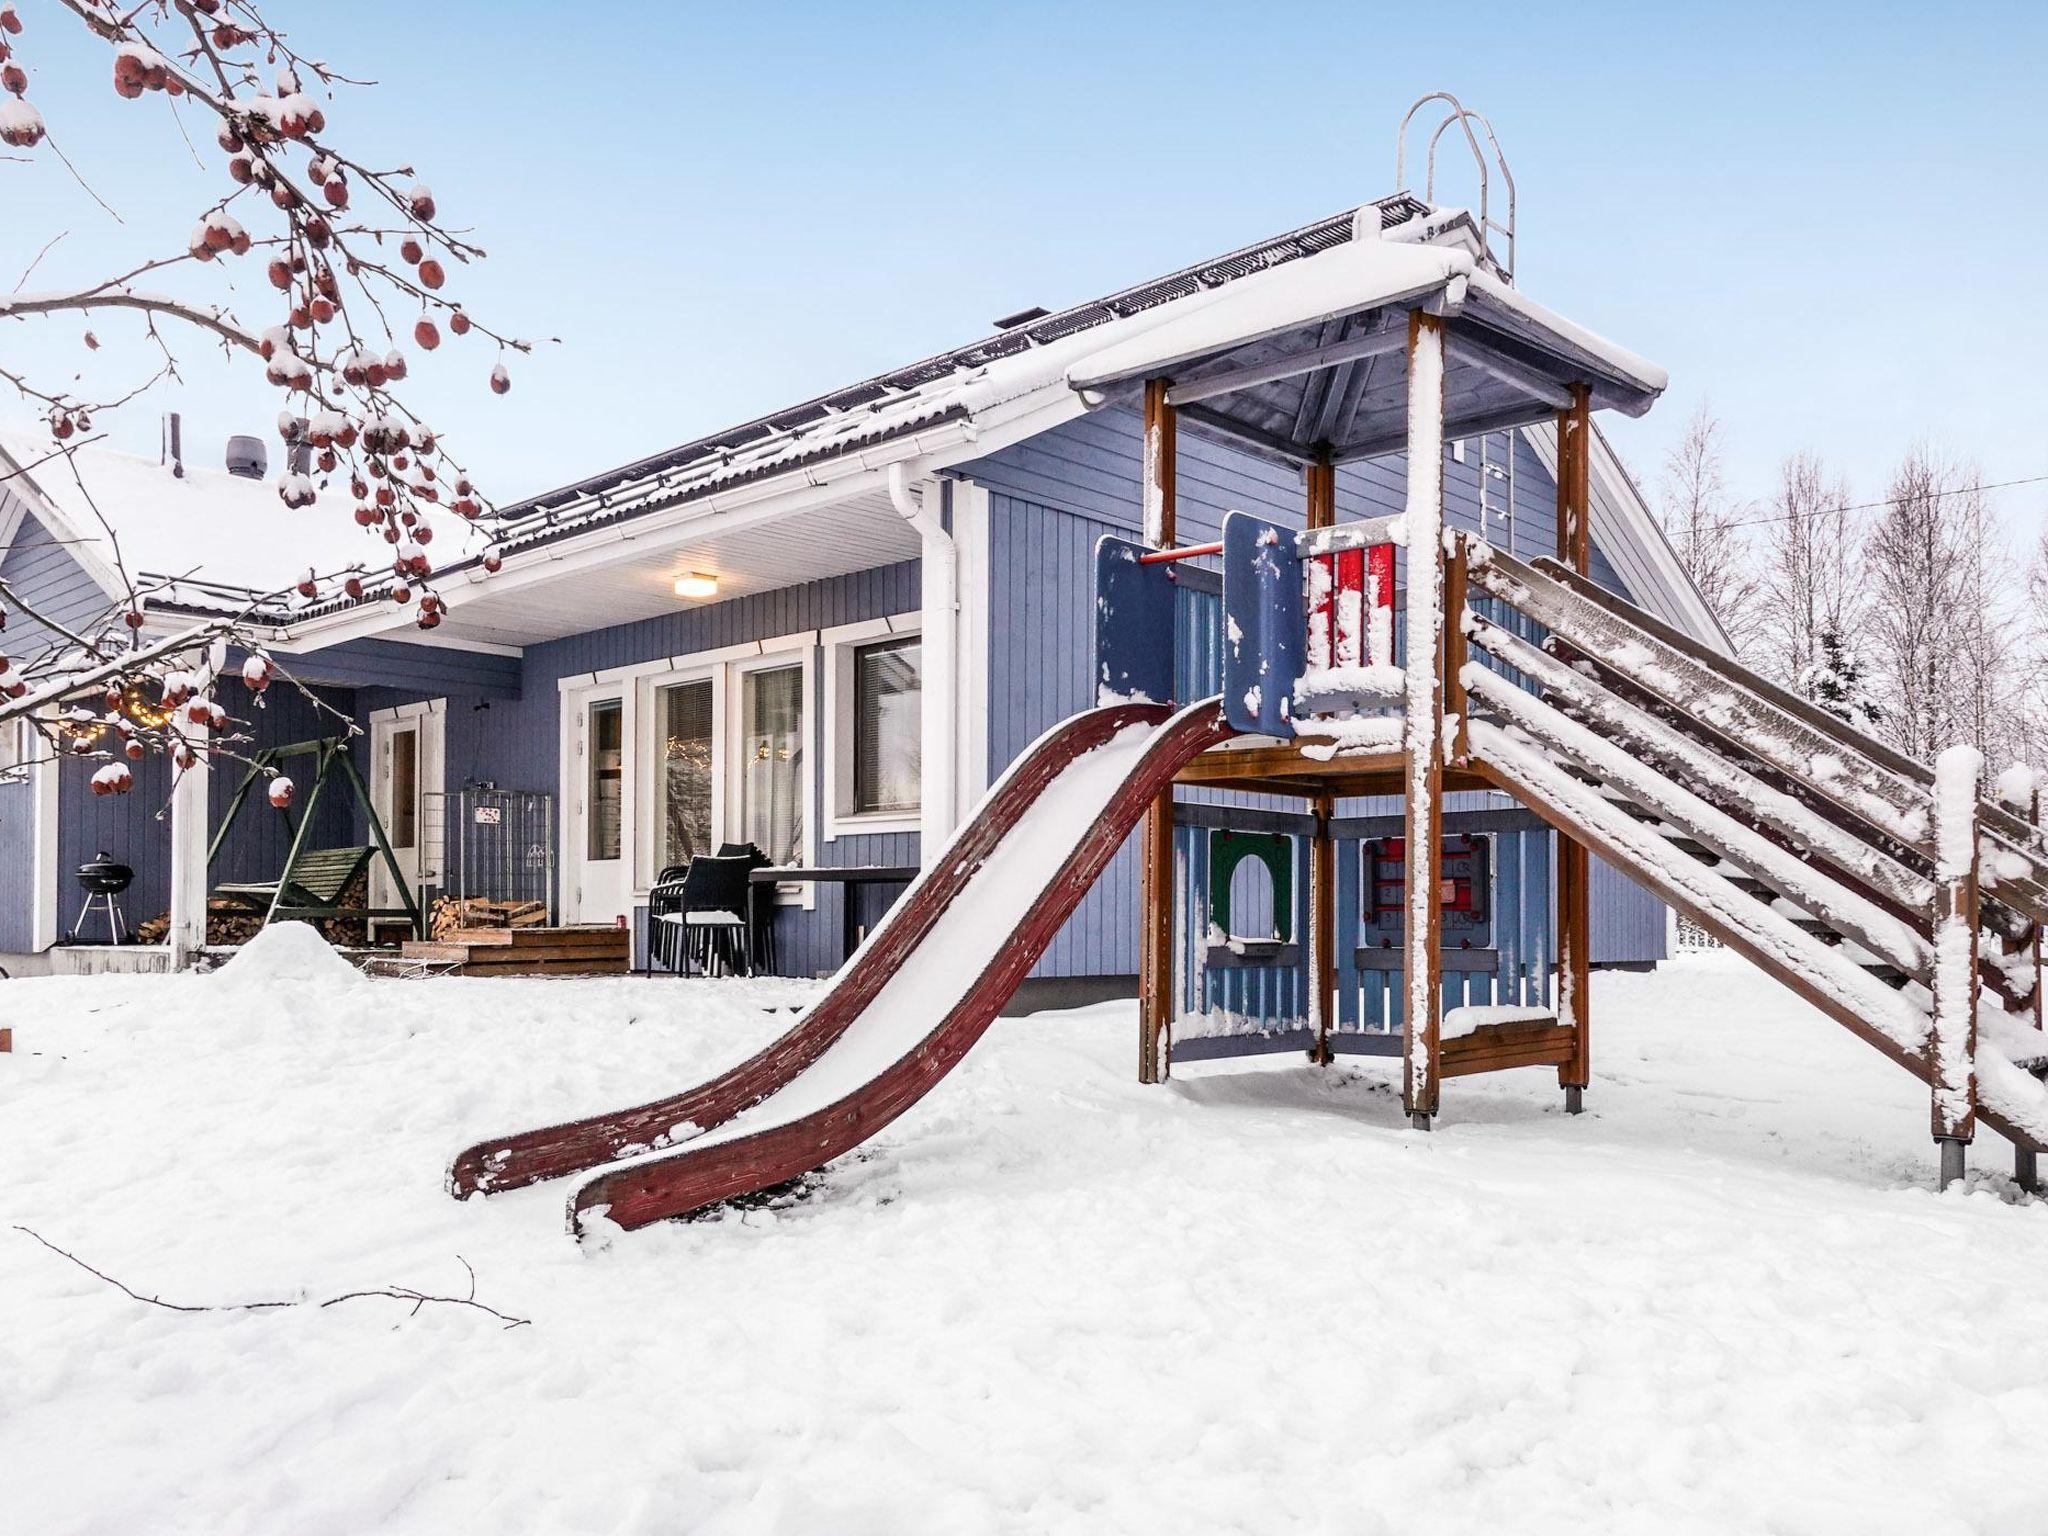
<point x="1051" y="499"/>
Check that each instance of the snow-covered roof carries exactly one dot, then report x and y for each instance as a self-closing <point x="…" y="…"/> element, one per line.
<point x="1308" y="277"/>
<point x="207" y="527"/>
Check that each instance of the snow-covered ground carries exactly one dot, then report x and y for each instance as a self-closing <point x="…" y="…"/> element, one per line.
<point x="1048" y="1299"/>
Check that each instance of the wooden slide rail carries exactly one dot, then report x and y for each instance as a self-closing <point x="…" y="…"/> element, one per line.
<point x="690" y="1179"/>
<point x="510" y="1162"/>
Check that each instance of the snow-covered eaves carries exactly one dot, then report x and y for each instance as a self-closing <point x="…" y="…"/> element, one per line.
<point x="202" y="539"/>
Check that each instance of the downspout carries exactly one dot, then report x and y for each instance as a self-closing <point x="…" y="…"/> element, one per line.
<point x="938" y="742"/>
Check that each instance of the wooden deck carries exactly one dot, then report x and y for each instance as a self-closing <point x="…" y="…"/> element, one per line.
<point x="593" y="950"/>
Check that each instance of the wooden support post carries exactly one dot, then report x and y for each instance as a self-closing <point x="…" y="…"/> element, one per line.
<point x="1458" y="748"/>
<point x="1952" y="1037"/>
<point x="1161" y="452"/>
<point x="1321" y="512"/>
<point x="1155" y="836"/>
<point x="2026" y="1167"/>
<point x="1422" y="727"/>
<point x="1322" y="932"/>
<point x="1574" y="871"/>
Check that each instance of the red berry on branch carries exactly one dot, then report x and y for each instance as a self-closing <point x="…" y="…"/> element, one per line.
<point x="411" y="250"/>
<point x="432" y="273"/>
<point x="280" y="274"/>
<point x="458" y="322"/>
<point x="426" y="335"/>
<point x="501" y="380"/>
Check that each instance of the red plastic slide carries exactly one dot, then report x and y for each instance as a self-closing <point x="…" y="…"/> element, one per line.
<point x="901" y="1013"/>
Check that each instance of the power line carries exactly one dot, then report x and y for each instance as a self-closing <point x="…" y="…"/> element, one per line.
<point x="1865" y="506"/>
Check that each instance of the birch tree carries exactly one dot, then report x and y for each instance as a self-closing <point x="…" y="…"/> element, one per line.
<point x="1702" y="521"/>
<point x="1940" y="632"/>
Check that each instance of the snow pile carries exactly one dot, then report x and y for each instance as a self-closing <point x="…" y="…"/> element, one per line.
<point x="287" y="954"/>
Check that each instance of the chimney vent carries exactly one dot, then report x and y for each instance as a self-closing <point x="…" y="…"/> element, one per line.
<point x="174" y="444"/>
<point x="301" y="457"/>
<point x="247" y="457"/>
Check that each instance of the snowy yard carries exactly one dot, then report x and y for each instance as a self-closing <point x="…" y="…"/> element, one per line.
<point x="1726" y="1299"/>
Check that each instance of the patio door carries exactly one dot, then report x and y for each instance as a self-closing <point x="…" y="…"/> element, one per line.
<point x="406" y="752"/>
<point x="597" y="867"/>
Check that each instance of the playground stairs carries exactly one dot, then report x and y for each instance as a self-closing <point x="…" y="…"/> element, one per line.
<point x="1799" y="842"/>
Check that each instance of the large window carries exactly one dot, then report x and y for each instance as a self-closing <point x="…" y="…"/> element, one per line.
<point x="772" y="761"/>
<point x="683" y="777"/>
<point x="887" y="699"/>
<point x="605" y="792"/>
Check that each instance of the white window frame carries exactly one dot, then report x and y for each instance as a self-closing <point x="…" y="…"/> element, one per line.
<point x="647" y="765"/>
<point x="724" y="666"/>
<point x="840" y="643"/>
<point x="772" y="655"/>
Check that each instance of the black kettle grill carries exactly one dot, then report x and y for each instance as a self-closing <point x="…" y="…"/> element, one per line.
<point x="103" y="879"/>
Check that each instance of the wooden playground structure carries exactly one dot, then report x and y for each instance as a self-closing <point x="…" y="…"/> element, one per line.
<point x="1377" y="651"/>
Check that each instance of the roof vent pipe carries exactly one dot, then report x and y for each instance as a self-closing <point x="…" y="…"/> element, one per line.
<point x="248" y="459"/>
<point x="174" y="444"/>
<point x="938" y="736"/>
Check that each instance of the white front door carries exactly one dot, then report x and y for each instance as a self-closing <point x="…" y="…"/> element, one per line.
<point x="597" y="883"/>
<point x="406" y="749"/>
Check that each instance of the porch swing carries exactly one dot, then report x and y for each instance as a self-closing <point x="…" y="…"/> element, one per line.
<point x="314" y="880"/>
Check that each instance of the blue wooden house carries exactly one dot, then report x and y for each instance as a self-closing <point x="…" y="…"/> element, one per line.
<point x="826" y="631"/>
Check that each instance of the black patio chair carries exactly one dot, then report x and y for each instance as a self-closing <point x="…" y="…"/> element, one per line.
<point x="712" y="916"/>
<point x="665" y="940"/>
<point x="761" y="921"/>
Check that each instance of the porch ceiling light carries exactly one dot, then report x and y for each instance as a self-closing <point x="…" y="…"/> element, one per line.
<point x="696" y="584"/>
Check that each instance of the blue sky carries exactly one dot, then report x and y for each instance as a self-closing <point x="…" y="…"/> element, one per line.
<point x="1824" y="218"/>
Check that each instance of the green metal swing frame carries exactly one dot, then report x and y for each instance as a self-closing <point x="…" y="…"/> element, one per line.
<point x="290" y="895"/>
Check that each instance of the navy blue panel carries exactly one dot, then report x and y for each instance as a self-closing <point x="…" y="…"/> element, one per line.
<point x="1265" y="624"/>
<point x="1134" y="613"/>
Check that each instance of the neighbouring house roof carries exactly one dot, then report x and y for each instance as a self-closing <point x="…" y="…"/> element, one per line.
<point x="217" y="537"/>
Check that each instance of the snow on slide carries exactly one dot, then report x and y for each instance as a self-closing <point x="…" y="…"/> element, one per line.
<point x="898" y="1017"/>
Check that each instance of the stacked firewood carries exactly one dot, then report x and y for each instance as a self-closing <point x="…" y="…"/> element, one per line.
<point x="451" y="913"/>
<point x="233" y="922"/>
